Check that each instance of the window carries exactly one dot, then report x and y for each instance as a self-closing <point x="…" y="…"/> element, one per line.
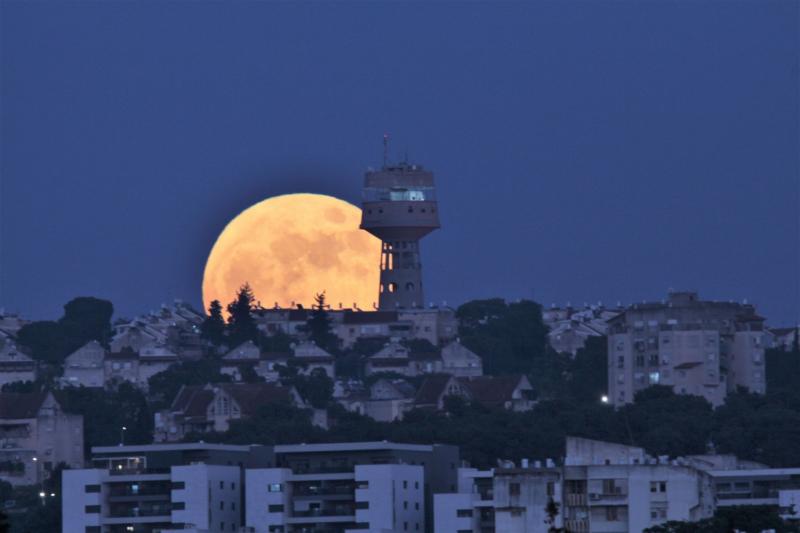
<point x="221" y="505"/>
<point x="416" y="506"/>
<point x="92" y="529"/>
<point x="92" y="509"/>
<point x="178" y="485"/>
<point x="655" y="377"/>
<point x="640" y="361"/>
<point x="405" y="526"/>
<point x="620" y="361"/>
<point x="362" y="505"/>
<point x="233" y="506"/>
<point x="221" y="485"/>
<point x="464" y="513"/>
<point x="513" y="489"/>
<point x="551" y="488"/>
<point x="405" y="505"/>
<point x="222" y="526"/>
<point x="179" y="506"/>
<point x="275" y="508"/>
<point x="233" y="485"/>
<point x="416" y="484"/>
<point x="612" y="514"/>
<point x="275" y="487"/>
<point x="405" y="484"/>
<point x="92" y="488"/>
<point x="658" y="486"/>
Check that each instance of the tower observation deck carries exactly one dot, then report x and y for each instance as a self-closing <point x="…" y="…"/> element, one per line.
<point x="399" y="207"/>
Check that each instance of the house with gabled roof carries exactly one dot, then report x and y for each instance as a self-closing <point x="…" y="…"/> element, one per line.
<point x="458" y="360"/>
<point x="509" y="392"/>
<point x="513" y="392"/>
<point x="212" y="407"/>
<point x="14" y="365"/>
<point x="85" y="366"/>
<point x="35" y="436"/>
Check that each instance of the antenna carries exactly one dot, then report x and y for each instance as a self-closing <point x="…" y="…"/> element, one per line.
<point x="385" y="149"/>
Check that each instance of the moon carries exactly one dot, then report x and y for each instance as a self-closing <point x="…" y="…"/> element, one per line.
<point x="290" y="247"/>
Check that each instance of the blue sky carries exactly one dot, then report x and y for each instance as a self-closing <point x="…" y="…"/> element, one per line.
<point x="584" y="151"/>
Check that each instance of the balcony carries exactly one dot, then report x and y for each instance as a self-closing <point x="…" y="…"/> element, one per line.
<point x="576" y="525"/>
<point x="603" y="498"/>
<point x="143" y="511"/>
<point x="576" y="499"/>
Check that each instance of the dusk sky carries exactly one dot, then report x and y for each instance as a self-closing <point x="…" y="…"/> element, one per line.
<point x="583" y="151"/>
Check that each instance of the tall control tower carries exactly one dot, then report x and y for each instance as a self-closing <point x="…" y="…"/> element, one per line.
<point x="399" y="208"/>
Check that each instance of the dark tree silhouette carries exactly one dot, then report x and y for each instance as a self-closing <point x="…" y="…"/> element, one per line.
<point x="213" y="327"/>
<point x="241" y="325"/>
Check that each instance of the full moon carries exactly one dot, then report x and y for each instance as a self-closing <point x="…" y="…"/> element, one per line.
<point x="291" y="247"/>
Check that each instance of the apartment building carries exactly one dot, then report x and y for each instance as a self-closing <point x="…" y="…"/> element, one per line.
<point x="367" y="486"/>
<point x="157" y="487"/>
<point x="36" y="435"/>
<point x="696" y="347"/>
<point x="601" y="487"/>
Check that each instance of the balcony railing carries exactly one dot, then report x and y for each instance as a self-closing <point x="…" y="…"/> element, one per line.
<point x="334" y="511"/>
<point x="154" y="510"/>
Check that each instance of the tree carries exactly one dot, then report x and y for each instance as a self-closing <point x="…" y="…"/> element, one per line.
<point x="213" y="327"/>
<point x="318" y="326"/>
<point x="88" y="318"/>
<point x="241" y="325"/>
<point x="509" y="337"/>
<point x="84" y="319"/>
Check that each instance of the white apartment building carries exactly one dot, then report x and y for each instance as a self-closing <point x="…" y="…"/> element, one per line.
<point x="696" y="347"/>
<point x="601" y="487"/>
<point x="368" y="486"/>
<point x="153" y="488"/>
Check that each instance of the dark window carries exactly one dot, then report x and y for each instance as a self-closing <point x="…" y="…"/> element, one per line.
<point x="405" y="484"/>
<point x="233" y="506"/>
<point x="178" y="485"/>
<point x="92" y="529"/>
<point x="464" y="513"/>
<point x="513" y="489"/>
<point x="405" y="505"/>
<point x="362" y="505"/>
<point x="92" y="488"/>
<point x="92" y="509"/>
<point x="221" y="505"/>
<point x="179" y="506"/>
<point x="222" y="484"/>
<point x="416" y="506"/>
<point x="416" y="484"/>
<point x="233" y="485"/>
<point x="275" y="508"/>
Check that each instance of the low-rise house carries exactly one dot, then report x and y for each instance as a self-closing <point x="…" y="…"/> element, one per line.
<point x="509" y="392"/>
<point x="35" y="436"/>
<point x="85" y="366"/>
<point x="385" y="401"/>
<point x="458" y="360"/>
<point x="311" y="357"/>
<point x="203" y="408"/>
<point x="121" y="367"/>
<point x="434" y="389"/>
<point x="454" y="359"/>
<point x="782" y="338"/>
<point x="15" y="365"/>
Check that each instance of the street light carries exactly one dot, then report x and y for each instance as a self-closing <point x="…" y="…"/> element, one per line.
<point x="122" y="431"/>
<point x="604" y="398"/>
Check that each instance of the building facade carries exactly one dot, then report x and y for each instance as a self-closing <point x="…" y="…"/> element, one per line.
<point x="36" y="435"/>
<point x="151" y="488"/>
<point x="368" y="486"/>
<point x="696" y="347"/>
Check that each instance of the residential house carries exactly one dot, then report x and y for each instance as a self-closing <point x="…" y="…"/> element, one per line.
<point x="460" y="361"/>
<point x="509" y="392"/>
<point x="212" y="407"/>
<point x="385" y="401"/>
<point x="15" y="365"/>
<point x="36" y="435"/>
<point x="85" y="366"/>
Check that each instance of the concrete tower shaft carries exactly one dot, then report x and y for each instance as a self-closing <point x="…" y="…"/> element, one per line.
<point x="400" y="208"/>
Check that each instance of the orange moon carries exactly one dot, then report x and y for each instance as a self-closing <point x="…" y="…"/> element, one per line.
<point x="290" y="247"/>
